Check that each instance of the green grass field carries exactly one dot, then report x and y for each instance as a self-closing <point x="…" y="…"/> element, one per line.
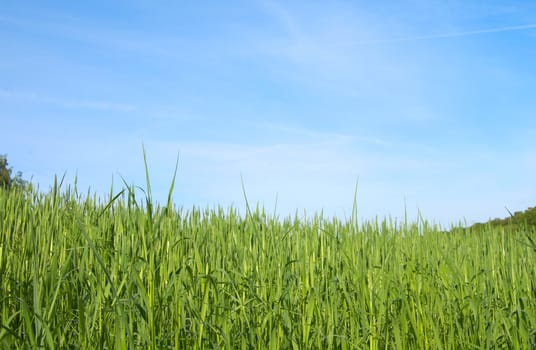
<point x="84" y="273"/>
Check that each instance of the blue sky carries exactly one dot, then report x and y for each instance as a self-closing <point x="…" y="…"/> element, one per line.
<point x="430" y="104"/>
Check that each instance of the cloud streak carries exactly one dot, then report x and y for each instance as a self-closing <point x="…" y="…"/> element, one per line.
<point x="68" y="103"/>
<point x="456" y="34"/>
<point x="314" y="174"/>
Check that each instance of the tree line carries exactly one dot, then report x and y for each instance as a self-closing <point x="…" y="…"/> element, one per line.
<point x="526" y="218"/>
<point x="8" y="178"/>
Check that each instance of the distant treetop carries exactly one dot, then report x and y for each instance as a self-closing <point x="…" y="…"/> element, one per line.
<point x="519" y="218"/>
<point x="6" y="178"/>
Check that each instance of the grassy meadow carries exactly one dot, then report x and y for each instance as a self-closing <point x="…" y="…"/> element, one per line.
<point x="81" y="272"/>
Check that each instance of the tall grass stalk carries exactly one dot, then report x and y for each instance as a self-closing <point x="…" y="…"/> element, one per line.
<point x="80" y="272"/>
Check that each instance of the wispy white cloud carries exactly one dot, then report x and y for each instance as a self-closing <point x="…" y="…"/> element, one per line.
<point x="313" y="174"/>
<point x="322" y="52"/>
<point x="296" y="132"/>
<point x="308" y="176"/>
<point x="320" y="174"/>
<point x="345" y="50"/>
<point x="455" y="34"/>
<point x="67" y="103"/>
<point x="382" y="66"/>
